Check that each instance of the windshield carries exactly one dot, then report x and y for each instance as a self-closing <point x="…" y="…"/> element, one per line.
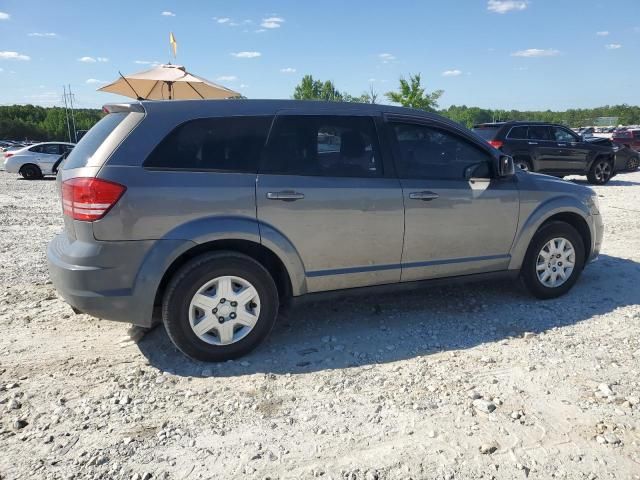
<point x="488" y="133"/>
<point x="92" y="140"/>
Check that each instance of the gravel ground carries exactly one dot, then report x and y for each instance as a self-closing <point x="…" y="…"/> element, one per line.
<point x="476" y="381"/>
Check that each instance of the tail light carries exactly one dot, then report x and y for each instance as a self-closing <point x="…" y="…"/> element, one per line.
<point x="496" y="143"/>
<point x="89" y="199"/>
<point x="7" y="155"/>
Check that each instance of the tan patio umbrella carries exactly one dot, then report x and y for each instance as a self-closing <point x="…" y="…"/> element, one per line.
<point x="167" y="82"/>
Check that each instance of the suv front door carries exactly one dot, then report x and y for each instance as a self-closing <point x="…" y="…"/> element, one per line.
<point x="459" y="219"/>
<point x="572" y="151"/>
<point x="324" y="186"/>
<point x="544" y="149"/>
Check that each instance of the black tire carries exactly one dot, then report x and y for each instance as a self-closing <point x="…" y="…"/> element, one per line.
<point x="544" y="235"/>
<point x="523" y="164"/>
<point x="601" y="171"/>
<point x="191" y="277"/>
<point x="30" y="172"/>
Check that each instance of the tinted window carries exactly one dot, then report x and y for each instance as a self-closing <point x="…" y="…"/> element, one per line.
<point x="36" y="149"/>
<point x="636" y="134"/>
<point x="488" y="133"/>
<point x="51" y="149"/>
<point x="329" y="146"/>
<point x="537" y="132"/>
<point x="518" y="133"/>
<point x="562" y="135"/>
<point x="426" y="152"/>
<point x="86" y="147"/>
<point x="231" y="144"/>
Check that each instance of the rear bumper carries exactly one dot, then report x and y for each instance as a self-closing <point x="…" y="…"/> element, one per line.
<point x="98" y="278"/>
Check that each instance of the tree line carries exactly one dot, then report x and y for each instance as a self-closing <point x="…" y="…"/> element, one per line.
<point x="29" y="122"/>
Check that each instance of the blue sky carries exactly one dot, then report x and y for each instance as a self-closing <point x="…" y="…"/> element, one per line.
<point x="524" y="54"/>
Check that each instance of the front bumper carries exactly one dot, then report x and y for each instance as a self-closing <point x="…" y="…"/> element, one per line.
<point x="597" y="231"/>
<point x="98" y="278"/>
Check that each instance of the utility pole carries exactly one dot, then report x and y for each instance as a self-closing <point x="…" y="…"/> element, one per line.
<point x="66" y="110"/>
<point x="73" y="116"/>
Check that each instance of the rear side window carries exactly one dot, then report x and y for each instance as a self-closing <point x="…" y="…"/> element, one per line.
<point x="488" y="133"/>
<point x="518" y="133"/>
<point x="537" y="132"/>
<point x="82" y="152"/>
<point x="330" y="146"/>
<point x="231" y="144"/>
<point x="431" y="153"/>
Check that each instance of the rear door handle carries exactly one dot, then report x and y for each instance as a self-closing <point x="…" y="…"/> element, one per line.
<point x="424" y="196"/>
<point x="533" y="143"/>
<point x="287" y="196"/>
<point x="562" y="144"/>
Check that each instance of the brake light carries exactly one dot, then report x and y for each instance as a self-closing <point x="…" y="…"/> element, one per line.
<point x="7" y="155"/>
<point x="496" y="143"/>
<point x="89" y="199"/>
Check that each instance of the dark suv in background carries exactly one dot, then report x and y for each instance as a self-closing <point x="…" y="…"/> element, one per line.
<point x="551" y="149"/>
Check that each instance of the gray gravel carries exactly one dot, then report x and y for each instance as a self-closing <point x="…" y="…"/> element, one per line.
<point x="477" y="381"/>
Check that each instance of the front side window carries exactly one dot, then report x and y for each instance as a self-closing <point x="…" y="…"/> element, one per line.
<point x="320" y="145"/>
<point x="36" y="149"/>
<point x="427" y="152"/>
<point x="231" y="144"/>
<point x="518" y="133"/>
<point x="539" y="132"/>
<point x="562" y="135"/>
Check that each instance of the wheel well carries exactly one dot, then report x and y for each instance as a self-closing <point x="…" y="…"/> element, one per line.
<point x="577" y="222"/>
<point x="258" y="252"/>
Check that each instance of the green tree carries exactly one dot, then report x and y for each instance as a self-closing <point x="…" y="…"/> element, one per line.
<point x="310" y="89"/>
<point x="412" y="94"/>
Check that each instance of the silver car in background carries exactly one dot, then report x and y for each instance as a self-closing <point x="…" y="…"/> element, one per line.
<point x="215" y="214"/>
<point x="35" y="161"/>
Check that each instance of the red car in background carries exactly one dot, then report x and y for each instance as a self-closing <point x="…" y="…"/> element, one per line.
<point x="629" y="138"/>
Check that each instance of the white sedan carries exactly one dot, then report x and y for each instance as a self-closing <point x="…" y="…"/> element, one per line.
<point x="35" y="161"/>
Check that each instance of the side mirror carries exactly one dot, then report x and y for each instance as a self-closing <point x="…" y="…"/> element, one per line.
<point x="506" y="167"/>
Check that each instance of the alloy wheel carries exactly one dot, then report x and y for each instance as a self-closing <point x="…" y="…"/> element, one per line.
<point x="602" y="171"/>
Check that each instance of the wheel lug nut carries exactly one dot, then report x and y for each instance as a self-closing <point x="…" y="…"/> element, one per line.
<point x="234" y="304"/>
<point x="221" y="319"/>
<point x="232" y="315"/>
<point x="215" y="310"/>
<point x="222" y="300"/>
<point x="554" y="269"/>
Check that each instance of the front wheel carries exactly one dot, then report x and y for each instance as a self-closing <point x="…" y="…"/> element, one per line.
<point x="220" y="306"/>
<point x="554" y="260"/>
<point x="31" y="172"/>
<point x="523" y="164"/>
<point x="601" y="172"/>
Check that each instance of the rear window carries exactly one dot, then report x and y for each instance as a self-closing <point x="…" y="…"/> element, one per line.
<point x="231" y="144"/>
<point x="488" y="133"/>
<point x="82" y="152"/>
<point x="518" y="133"/>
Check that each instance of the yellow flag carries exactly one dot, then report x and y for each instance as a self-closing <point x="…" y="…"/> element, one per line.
<point x="173" y="43"/>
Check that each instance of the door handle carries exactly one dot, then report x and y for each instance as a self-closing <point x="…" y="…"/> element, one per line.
<point x="533" y="143"/>
<point x="562" y="144"/>
<point x="424" y="196"/>
<point x="287" y="196"/>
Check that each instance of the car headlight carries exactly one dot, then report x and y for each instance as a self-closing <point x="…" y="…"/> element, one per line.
<point x="594" y="205"/>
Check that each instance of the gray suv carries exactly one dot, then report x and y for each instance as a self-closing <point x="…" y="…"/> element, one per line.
<point x="215" y="214"/>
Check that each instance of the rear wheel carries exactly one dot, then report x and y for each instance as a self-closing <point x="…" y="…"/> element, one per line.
<point x="601" y="172"/>
<point x="220" y="306"/>
<point x="30" y="172"/>
<point x="554" y="260"/>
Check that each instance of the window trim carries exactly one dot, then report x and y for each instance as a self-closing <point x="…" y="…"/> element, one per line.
<point x="377" y="139"/>
<point x="407" y="120"/>
<point x="207" y="170"/>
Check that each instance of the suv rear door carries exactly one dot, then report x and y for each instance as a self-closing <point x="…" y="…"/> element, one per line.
<point x="459" y="219"/>
<point x="323" y="184"/>
<point x="543" y="148"/>
<point x="572" y="151"/>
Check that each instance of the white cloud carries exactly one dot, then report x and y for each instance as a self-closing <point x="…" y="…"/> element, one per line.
<point x="1" y="69"/>
<point x="272" y="22"/>
<point x="227" y="78"/>
<point x="261" y="30"/>
<point x="93" y="81"/>
<point x="246" y="54"/>
<point x="93" y="60"/>
<point x="613" y="46"/>
<point x="452" y="73"/>
<point x="536" y="52"/>
<point x="223" y="20"/>
<point x="386" y="57"/>
<point x="167" y="13"/>
<point x="603" y="33"/>
<point x="45" y="34"/>
<point x="288" y="70"/>
<point x="506" y="6"/>
<point x="4" y="16"/>
<point x="242" y="85"/>
<point x="146" y="62"/>
<point x="5" y="55"/>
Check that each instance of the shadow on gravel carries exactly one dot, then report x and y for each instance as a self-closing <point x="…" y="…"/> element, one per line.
<point x="366" y="330"/>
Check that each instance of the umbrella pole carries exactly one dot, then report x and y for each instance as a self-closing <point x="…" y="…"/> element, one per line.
<point x="132" y="89"/>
